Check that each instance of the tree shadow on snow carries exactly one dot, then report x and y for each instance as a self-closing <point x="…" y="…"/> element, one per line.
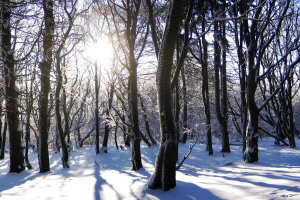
<point x="183" y="190"/>
<point x="101" y="184"/>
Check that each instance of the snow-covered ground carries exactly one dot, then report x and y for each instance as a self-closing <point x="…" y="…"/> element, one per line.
<point x="109" y="176"/>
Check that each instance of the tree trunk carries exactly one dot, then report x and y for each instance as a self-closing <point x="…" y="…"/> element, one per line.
<point x="11" y="93"/>
<point x="147" y="127"/>
<point x="164" y="176"/>
<point x="133" y="103"/>
<point x="221" y="109"/>
<point x="184" y="110"/>
<point x="251" y="151"/>
<point x="59" y="80"/>
<point x="2" y="153"/>
<point x="177" y="108"/>
<point x="107" y="126"/>
<point x="205" y="90"/>
<point x="97" y="149"/>
<point x="45" y="68"/>
<point x="131" y="32"/>
<point x="29" y="103"/>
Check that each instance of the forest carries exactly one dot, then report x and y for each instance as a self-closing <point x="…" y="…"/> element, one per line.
<point x="121" y="77"/>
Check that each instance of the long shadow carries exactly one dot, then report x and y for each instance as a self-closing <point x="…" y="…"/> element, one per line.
<point x="100" y="182"/>
<point x="11" y="180"/>
<point x="183" y="190"/>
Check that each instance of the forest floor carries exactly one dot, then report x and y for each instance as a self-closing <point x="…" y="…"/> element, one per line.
<point x="109" y="176"/>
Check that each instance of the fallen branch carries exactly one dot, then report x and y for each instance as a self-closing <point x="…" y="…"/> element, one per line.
<point x="188" y="154"/>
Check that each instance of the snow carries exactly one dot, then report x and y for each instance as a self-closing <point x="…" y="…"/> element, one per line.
<point x="109" y="176"/>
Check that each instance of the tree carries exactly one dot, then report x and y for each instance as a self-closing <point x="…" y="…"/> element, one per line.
<point x="11" y="92"/>
<point x="257" y="43"/>
<point x="220" y="74"/>
<point x="202" y="58"/>
<point x="164" y="176"/>
<point x="45" y="68"/>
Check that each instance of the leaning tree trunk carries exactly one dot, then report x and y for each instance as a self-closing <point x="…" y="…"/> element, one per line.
<point x="15" y="134"/>
<point x="164" y="176"/>
<point x="45" y="68"/>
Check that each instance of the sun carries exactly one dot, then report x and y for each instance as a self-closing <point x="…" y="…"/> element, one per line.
<point x="100" y="51"/>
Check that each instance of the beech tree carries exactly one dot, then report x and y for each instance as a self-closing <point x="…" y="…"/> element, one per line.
<point x="164" y="176"/>
<point x="11" y="91"/>
<point x="45" y="68"/>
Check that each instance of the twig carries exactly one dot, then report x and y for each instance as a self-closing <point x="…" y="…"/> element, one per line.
<point x="187" y="155"/>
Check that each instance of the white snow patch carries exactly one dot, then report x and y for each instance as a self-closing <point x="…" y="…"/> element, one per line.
<point x="109" y="176"/>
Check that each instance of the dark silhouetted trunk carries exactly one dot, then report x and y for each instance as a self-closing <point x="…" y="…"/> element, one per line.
<point x="2" y="153"/>
<point x="45" y="68"/>
<point x="11" y="92"/>
<point x="183" y="137"/>
<point x="59" y="81"/>
<point x="164" y="176"/>
<point x="220" y="85"/>
<point x="147" y="127"/>
<point x="107" y="118"/>
<point x="97" y="148"/>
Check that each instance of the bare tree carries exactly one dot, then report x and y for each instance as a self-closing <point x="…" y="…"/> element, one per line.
<point x="11" y="91"/>
<point x="164" y="176"/>
<point x="45" y="68"/>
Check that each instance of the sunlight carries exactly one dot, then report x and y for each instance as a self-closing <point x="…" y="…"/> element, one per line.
<point x="101" y="52"/>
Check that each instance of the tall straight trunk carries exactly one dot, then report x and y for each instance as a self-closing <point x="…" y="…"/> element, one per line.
<point x="177" y="108"/>
<point x="136" y="159"/>
<point x="108" y="108"/>
<point x="29" y="103"/>
<point x="0" y="127"/>
<point x="164" y="176"/>
<point x="59" y="80"/>
<point x="251" y="151"/>
<point x="220" y="85"/>
<point x="97" y="149"/>
<point x="184" y="109"/>
<point x="45" y="68"/>
<point x="205" y="90"/>
<point x="2" y="153"/>
<point x="224" y="99"/>
<point x="11" y="93"/>
<point x="291" y="122"/>
<point x="131" y="34"/>
<point x="239" y="40"/>
<point x="67" y="118"/>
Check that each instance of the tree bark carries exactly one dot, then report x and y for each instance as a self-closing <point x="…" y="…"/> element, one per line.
<point x="97" y="149"/>
<point x="45" y="68"/>
<point x="11" y="93"/>
<point x="2" y="153"/>
<point x="147" y="127"/>
<point x="220" y="71"/>
<point x="164" y="176"/>
<point x="59" y="80"/>
<point x="107" y="126"/>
